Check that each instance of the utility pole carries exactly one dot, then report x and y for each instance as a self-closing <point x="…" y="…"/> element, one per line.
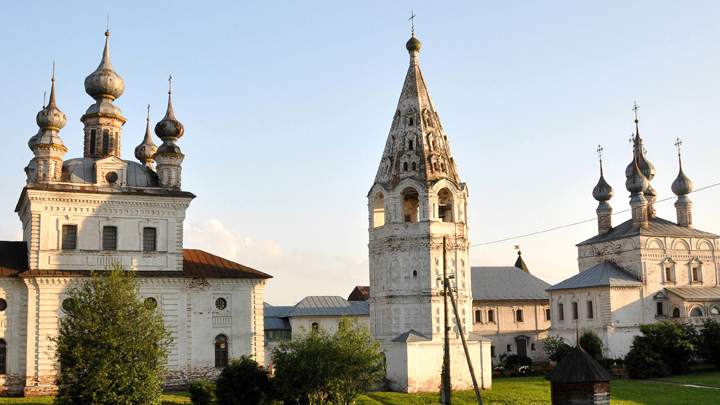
<point x="445" y="386"/>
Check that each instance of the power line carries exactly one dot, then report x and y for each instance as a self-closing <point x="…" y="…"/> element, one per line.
<point x="578" y="223"/>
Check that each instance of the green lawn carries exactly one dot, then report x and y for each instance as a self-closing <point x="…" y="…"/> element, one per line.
<point x="702" y="376"/>
<point x="520" y="391"/>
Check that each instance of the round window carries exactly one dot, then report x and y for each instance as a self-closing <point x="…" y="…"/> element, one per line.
<point x="3" y="305"/>
<point x="68" y="304"/>
<point x="220" y="303"/>
<point x="150" y="303"/>
<point x="111" y="177"/>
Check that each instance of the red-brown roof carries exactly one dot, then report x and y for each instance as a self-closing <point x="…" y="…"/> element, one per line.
<point x="196" y="263"/>
<point x="360" y="293"/>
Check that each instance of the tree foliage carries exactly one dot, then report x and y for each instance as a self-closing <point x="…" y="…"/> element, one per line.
<point x="111" y="347"/>
<point x="710" y="346"/>
<point x="591" y="343"/>
<point x="556" y="348"/>
<point x="664" y="348"/>
<point x="322" y="368"/>
<point x="243" y="382"/>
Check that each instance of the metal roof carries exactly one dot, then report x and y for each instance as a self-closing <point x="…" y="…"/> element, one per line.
<point x="328" y="306"/>
<point x="696" y="293"/>
<point x="506" y="283"/>
<point x="13" y="258"/>
<point x="656" y="227"/>
<point x="604" y="274"/>
<point x="578" y="367"/>
<point x="411" y="336"/>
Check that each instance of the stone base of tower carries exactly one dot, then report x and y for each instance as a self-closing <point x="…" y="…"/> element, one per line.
<point x="415" y="367"/>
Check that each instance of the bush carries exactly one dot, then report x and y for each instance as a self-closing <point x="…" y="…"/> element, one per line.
<point x="556" y="348"/>
<point x="243" y="382"/>
<point x="664" y="348"/>
<point x="591" y="343"/>
<point x="710" y="342"/>
<point x="605" y="362"/>
<point x="201" y="392"/>
<point x="514" y="361"/>
<point x="619" y="361"/>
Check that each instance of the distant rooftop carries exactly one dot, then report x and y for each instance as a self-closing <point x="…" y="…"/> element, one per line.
<point x="328" y="306"/>
<point x="656" y="227"/>
<point x="506" y="283"/>
<point x="604" y="274"/>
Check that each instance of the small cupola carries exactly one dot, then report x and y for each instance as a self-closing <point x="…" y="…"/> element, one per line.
<point x="145" y="152"/>
<point x="104" y="81"/>
<point x="603" y="193"/>
<point x="681" y="187"/>
<point x="637" y="184"/>
<point x="169" y="156"/>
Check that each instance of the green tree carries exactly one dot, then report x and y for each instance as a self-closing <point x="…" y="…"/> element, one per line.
<point x="111" y="347"/>
<point x="710" y="346"/>
<point x="591" y="343"/>
<point x="664" y="347"/>
<point x="322" y="368"/>
<point x="243" y="382"/>
<point x="556" y="348"/>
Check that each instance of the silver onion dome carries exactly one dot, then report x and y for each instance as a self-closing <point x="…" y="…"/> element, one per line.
<point x="104" y="82"/>
<point x="602" y="191"/>
<point x="147" y="148"/>
<point x="50" y="117"/>
<point x="169" y="126"/>
<point x="682" y="184"/>
<point x="636" y="182"/>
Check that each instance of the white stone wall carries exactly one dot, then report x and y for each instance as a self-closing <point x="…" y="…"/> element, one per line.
<point x="13" y="329"/>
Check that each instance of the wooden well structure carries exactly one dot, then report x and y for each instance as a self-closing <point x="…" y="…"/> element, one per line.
<point x="579" y="379"/>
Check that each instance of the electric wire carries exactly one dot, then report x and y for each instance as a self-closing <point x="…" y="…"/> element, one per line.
<point x="579" y="222"/>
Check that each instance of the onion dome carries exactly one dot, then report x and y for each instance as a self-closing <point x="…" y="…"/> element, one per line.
<point x="147" y="148"/>
<point x="682" y="184"/>
<point x="413" y="44"/>
<point x="104" y="82"/>
<point x="602" y="191"/>
<point x="646" y="168"/>
<point x="169" y="127"/>
<point x="51" y="117"/>
<point x="636" y="182"/>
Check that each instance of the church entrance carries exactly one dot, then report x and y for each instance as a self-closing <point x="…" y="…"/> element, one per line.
<point x="521" y="346"/>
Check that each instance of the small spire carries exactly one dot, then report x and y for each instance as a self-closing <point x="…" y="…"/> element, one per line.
<point x="52" y="88"/>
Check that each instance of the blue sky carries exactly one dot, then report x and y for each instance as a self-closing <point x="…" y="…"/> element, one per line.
<point x="287" y="106"/>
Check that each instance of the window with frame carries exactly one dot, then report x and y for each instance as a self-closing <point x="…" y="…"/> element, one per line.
<point x="519" y="315"/>
<point x="714" y="311"/>
<point x="509" y="348"/>
<point x="676" y="313"/>
<point x="3" y="357"/>
<point x="109" y="241"/>
<point x="561" y="312"/>
<point x="221" y="351"/>
<point x="93" y="141"/>
<point x="659" y="309"/>
<point x="149" y="239"/>
<point x="668" y="274"/>
<point x="695" y="274"/>
<point x="590" y="313"/>
<point x="532" y="346"/>
<point x="314" y="326"/>
<point x="491" y="315"/>
<point x="575" y="310"/>
<point x="478" y="316"/>
<point x="106" y="142"/>
<point x="69" y="237"/>
<point x="548" y="314"/>
<point x="696" y="312"/>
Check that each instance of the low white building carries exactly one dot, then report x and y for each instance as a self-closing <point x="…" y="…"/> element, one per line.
<point x="641" y="271"/>
<point x="87" y="213"/>
<point x="512" y="309"/>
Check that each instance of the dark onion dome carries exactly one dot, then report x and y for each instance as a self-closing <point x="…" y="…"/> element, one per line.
<point x="682" y="184"/>
<point x="147" y="148"/>
<point x="169" y="127"/>
<point x="104" y="82"/>
<point x="413" y="44"/>
<point x="646" y="168"/>
<point x="650" y="191"/>
<point x="50" y="117"/>
<point x="636" y="182"/>
<point x="602" y="191"/>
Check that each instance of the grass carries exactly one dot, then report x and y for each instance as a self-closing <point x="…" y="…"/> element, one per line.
<point x="520" y="391"/>
<point x="708" y="376"/>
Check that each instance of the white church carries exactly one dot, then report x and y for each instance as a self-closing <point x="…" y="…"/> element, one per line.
<point x="85" y="213"/>
<point x="417" y="199"/>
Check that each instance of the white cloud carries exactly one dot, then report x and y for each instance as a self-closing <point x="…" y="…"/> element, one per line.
<point x="296" y="274"/>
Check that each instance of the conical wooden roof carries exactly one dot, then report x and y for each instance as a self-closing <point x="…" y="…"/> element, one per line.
<point x="578" y="367"/>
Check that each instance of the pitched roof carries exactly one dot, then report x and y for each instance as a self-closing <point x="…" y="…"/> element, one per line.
<point x="360" y="293"/>
<point x="604" y="274"/>
<point x="506" y="283"/>
<point x="196" y="263"/>
<point x="328" y="306"/>
<point x="274" y="317"/>
<point x="578" y="367"/>
<point x="411" y="336"/>
<point x="696" y="293"/>
<point x="656" y="227"/>
<point x="520" y="264"/>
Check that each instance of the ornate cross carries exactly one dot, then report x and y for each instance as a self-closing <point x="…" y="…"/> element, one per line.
<point x="412" y="21"/>
<point x="599" y="151"/>
<point x="170" y="85"/>
<point x="678" y="143"/>
<point x="636" y="107"/>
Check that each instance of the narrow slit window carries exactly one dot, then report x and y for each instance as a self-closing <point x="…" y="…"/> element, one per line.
<point x="659" y="306"/>
<point x="106" y="142"/>
<point x="3" y="357"/>
<point x="478" y="317"/>
<point x="405" y="166"/>
<point x="93" y="141"/>
<point x="491" y="315"/>
<point x="575" y="310"/>
<point x="410" y="145"/>
<point x="519" y="315"/>
<point x="590" y="314"/>
<point x="561" y="312"/>
<point x="69" y="237"/>
<point x="414" y="166"/>
<point x="221" y="351"/>
<point x="695" y="274"/>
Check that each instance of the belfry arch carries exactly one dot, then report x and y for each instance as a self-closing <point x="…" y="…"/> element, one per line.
<point x="378" y="210"/>
<point x="445" y="205"/>
<point x="411" y="204"/>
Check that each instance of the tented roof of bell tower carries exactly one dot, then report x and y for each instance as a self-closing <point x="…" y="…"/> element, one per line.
<point x="416" y="147"/>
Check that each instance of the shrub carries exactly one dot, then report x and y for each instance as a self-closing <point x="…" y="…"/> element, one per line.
<point x="664" y="348"/>
<point x="514" y="361"/>
<point x="201" y="392"/>
<point x="710" y="342"/>
<point x="619" y="361"/>
<point x="605" y="362"/>
<point x="243" y="382"/>
<point x="643" y="362"/>
<point x="591" y="343"/>
<point x="556" y="348"/>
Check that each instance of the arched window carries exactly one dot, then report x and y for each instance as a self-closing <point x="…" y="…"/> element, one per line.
<point x="715" y="311"/>
<point x="221" y="351"/>
<point x="405" y="166"/>
<point x="414" y="166"/>
<point x="410" y="145"/>
<point x="676" y="313"/>
<point x="414" y="273"/>
<point x="411" y="122"/>
<point x="411" y="205"/>
<point x="696" y="312"/>
<point x="379" y="210"/>
<point x="3" y="357"/>
<point x="445" y="207"/>
<point x="314" y="326"/>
